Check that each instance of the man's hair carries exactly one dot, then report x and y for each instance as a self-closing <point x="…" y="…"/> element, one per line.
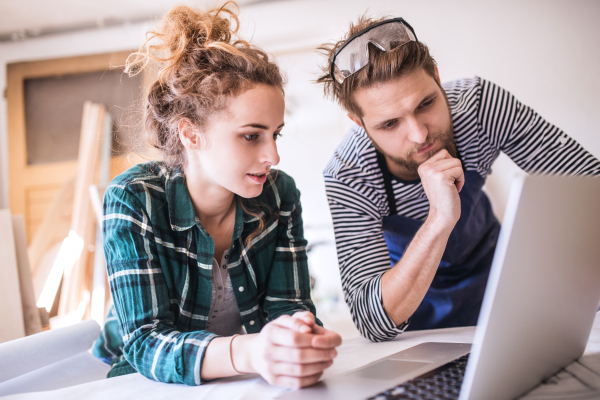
<point x="383" y="66"/>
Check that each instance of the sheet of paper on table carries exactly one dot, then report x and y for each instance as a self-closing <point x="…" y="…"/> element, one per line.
<point x="353" y="353"/>
<point x="580" y="380"/>
<point x="50" y="360"/>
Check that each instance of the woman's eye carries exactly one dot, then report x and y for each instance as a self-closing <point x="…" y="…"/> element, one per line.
<point x="251" y="138"/>
<point x="277" y="135"/>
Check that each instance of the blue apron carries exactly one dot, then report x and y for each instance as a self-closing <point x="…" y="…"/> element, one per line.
<point x="455" y="295"/>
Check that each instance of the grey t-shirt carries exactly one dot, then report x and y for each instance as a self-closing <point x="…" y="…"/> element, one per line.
<point x="224" y="317"/>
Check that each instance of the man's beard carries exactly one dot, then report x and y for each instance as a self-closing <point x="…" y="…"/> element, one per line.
<point x="446" y="138"/>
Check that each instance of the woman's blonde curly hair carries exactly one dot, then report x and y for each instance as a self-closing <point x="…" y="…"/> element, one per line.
<point x="201" y="64"/>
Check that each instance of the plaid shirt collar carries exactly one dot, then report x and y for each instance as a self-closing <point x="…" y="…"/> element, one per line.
<point x="182" y="215"/>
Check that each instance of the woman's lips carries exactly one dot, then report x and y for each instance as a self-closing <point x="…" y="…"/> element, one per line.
<point x="258" y="178"/>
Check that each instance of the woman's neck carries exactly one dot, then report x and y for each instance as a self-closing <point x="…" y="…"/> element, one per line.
<point x="213" y="203"/>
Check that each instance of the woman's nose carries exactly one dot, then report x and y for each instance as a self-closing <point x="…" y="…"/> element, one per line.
<point x="270" y="153"/>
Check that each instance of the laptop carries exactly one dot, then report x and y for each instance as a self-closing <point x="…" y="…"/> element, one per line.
<point x="539" y="306"/>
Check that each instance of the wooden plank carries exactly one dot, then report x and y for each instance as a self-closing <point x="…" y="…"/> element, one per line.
<point x="31" y="316"/>
<point x="82" y="222"/>
<point x="53" y="228"/>
<point x="44" y="267"/>
<point x="96" y="195"/>
<point x="11" y="311"/>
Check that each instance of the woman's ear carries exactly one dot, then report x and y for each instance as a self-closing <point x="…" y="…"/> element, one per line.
<point x="188" y="134"/>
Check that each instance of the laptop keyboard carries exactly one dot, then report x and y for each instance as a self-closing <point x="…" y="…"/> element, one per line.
<point x="441" y="383"/>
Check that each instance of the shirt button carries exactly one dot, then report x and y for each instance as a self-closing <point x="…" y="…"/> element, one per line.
<point x="241" y="289"/>
<point x="226" y="256"/>
<point x="219" y="288"/>
<point x="252" y="322"/>
<point x="214" y="316"/>
<point x="225" y="266"/>
<point x="216" y="310"/>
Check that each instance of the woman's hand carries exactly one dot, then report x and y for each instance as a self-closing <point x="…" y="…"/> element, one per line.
<point x="291" y="351"/>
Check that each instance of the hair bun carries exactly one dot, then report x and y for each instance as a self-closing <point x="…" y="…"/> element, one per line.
<point x="183" y="31"/>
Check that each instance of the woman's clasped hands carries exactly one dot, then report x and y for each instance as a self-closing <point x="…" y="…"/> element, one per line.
<point x="291" y="351"/>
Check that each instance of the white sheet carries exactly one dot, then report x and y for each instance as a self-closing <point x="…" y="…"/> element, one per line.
<point x="21" y="356"/>
<point x="353" y="353"/>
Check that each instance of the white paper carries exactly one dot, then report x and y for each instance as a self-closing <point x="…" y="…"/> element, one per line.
<point x="353" y="353"/>
<point x="75" y="370"/>
<point x="580" y="380"/>
<point x="30" y="353"/>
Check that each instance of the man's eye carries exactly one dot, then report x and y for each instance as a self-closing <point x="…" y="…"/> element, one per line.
<point x="389" y="124"/>
<point x="251" y="138"/>
<point x="426" y="103"/>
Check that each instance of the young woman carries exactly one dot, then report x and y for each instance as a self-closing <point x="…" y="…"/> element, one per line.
<point x="205" y="251"/>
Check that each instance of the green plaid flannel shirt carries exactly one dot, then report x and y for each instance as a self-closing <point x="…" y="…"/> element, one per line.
<point x="159" y="261"/>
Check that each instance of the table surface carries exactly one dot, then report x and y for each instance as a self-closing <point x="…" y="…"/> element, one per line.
<point x="353" y="353"/>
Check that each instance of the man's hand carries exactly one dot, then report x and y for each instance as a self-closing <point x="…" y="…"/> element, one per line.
<point x="292" y="351"/>
<point x="442" y="177"/>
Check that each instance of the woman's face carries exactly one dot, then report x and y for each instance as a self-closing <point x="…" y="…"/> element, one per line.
<point x="239" y="143"/>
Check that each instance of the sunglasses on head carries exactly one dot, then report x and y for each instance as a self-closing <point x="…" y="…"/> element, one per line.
<point x="354" y="54"/>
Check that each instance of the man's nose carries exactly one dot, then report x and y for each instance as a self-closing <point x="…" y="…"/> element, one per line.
<point x="417" y="131"/>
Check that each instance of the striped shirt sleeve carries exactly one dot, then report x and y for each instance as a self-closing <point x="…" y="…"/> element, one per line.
<point x="533" y="143"/>
<point x="359" y="237"/>
<point x="152" y="344"/>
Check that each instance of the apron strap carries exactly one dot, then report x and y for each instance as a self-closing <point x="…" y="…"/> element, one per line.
<point x="387" y="181"/>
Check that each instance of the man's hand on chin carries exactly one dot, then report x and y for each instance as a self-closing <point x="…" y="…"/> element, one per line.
<point x="442" y="177"/>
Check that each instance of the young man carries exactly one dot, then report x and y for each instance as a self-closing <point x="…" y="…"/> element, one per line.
<point x="405" y="185"/>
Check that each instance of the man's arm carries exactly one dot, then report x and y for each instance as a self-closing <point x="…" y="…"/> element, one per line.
<point x="531" y="142"/>
<point x="381" y="299"/>
<point x="404" y="286"/>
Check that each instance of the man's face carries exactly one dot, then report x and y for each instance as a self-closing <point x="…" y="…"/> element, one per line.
<point x="408" y="121"/>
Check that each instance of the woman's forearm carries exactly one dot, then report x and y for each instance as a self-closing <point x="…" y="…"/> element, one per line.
<point x="219" y="362"/>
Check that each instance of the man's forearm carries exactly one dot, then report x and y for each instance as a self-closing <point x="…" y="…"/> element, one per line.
<point x="404" y="286"/>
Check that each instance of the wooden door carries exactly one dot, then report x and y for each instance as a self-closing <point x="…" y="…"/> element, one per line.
<point x="33" y="185"/>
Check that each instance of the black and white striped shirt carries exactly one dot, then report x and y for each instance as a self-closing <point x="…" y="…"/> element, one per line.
<point x="487" y="119"/>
